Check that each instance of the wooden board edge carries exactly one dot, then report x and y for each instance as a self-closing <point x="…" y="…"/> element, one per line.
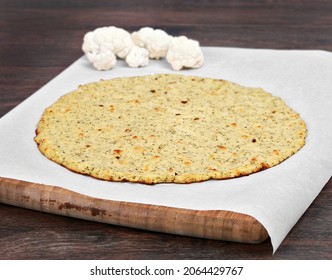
<point x="210" y="224"/>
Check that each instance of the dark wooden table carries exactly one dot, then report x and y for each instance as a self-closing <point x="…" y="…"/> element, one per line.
<point x="39" y="39"/>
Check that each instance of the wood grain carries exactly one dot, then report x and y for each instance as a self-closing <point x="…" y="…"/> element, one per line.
<point x="40" y="38"/>
<point x="220" y="225"/>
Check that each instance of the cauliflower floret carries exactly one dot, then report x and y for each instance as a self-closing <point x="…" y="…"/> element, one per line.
<point x="115" y="38"/>
<point x="142" y="36"/>
<point x="122" y="42"/>
<point x="184" y="53"/>
<point x="89" y="44"/>
<point x="104" y="59"/>
<point x="94" y="39"/>
<point x="103" y="41"/>
<point x="158" y="44"/>
<point x="138" y="57"/>
<point x="156" y="41"/>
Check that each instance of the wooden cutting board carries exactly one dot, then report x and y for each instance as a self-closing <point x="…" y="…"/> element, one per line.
<point x="211" y="224"/>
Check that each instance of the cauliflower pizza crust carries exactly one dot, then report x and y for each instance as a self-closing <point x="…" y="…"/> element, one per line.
<point x="168" y="128"/>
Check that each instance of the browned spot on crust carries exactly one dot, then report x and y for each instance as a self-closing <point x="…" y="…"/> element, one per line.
<point x="111" y="108"/>
<point x="212" y="169"/>
<point x="239" y="173"/>
<point x="263" y="166"/>
<point x="276" y="152"/>
<point x="221" y="147"/>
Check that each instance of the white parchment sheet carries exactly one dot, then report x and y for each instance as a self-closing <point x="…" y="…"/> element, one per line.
<point x="276" y="197"/>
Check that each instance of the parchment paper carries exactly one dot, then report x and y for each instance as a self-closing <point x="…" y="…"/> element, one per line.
<point x="276" y="197"/>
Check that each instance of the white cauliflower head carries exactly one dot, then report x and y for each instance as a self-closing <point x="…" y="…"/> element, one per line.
<point x="156" y="41"/>
<point x="106" y="40"/>
<point x="138" y="57"/>
<point x="184" y="53"/>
